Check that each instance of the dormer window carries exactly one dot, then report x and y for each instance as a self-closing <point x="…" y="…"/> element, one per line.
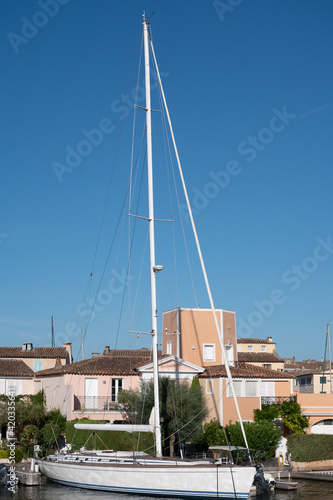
<point x="249" y="348"/>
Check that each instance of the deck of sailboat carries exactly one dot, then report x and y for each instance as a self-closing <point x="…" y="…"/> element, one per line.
<point x="122" y="460"/>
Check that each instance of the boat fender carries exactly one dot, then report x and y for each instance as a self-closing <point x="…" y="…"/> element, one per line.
<point x="280" y="460"/>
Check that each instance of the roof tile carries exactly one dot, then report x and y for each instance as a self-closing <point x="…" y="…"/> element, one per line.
<point x="15" y="368"/>
<point x="106" y="364"/>
<point x="259" y="357"/>
<point x="36" y="352"/>
<point x="244" y="370"/>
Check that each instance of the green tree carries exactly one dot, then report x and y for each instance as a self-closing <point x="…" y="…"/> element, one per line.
<point x="182" y="408"/>
<point x="136" y="406"/>
<point x="33" y="423"/>
<point x="267" y="412"/>
<point x="291" y="414"/>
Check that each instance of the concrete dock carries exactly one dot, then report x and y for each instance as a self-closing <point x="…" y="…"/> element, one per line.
<point x="27" y="476"/>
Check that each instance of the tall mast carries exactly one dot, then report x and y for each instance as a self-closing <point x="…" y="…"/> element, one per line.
<point x="329" y="354"/>
<point x="153" y="269"/>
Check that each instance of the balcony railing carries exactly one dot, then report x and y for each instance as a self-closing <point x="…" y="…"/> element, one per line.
<point x="94" y="403"/>
<point x="305" y="388"/>
<point x="273" y="400"/>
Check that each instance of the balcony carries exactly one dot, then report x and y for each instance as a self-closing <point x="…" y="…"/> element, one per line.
<point x="272" y="400"/>
<point x="94" y="404"/>
<point x="305" y="388"/>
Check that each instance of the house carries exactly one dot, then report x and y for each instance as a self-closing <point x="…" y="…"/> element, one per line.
<point x="254" y="386"/>
<point x="290" y="364"/>
<point x="38" y="358"/>
<point x="314" y="390"/>
<point x="90" y="388"/>
<point x="191" y="334"/>
<point x="319" y="409"/>
<point x="16" y="377"/>
<point x="259" y="352"/>
<point x="315" y="381"/>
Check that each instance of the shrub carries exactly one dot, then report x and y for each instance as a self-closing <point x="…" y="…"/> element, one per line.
<point x="19" y="454"/>
<point x="4" y="454"/>
<point x="263" y="435"/>
<point x="267" y="412"/>
<point x="310" y="447"/>
<point x="115" y="440"/>
<point x="213" y="435"/>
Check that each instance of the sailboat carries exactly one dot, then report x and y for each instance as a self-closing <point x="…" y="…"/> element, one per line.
<point x="137" y="472"/>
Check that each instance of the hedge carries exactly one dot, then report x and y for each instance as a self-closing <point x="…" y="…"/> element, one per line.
<point x="113" y="440"/>
<point x="310" y="447"/>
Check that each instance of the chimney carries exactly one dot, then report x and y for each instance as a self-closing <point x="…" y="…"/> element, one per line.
<point x="24" y="346"/>
<point x="58" y="363"/>
<point x="269" y="339"/>
<point x="68" y="347"/>
<point x="107" y="349"/>
<point x="95" y="354"/>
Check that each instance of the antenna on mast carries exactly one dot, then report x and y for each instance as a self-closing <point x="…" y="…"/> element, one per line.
<point x="52" y="333"/>
<point x="82" y="353"/>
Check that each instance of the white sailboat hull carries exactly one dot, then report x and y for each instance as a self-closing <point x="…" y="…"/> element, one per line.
<point x="191" y="481"/>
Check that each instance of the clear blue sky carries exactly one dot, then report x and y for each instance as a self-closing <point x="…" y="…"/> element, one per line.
<point x="249" y="85"/>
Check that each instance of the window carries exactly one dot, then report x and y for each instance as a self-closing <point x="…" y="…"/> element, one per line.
<point x="209" y="386"/>
<point x="267" y="388"/>
<point x="169" y="347"/>
<point x="249" y="348"/>
<point x="263" y="348"/>
<point x="91" y="393"/>
<point x="251" y="388"/>
<point x="267" y="365"/>
<point x="323" y="380"/>
<point x="209" y="352"/>
<point x="116" y="386"/>
<point x="238" y="384"/>
<point x="229" y="350"/>
<point x="38" y="365"/>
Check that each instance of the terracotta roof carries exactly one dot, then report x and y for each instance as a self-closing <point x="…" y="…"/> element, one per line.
<point x="127" y="352"/>
<point x="243" y="370"/>
<point x="302" y="373"/>
<point x="259" y="357"/>
<point x="15" y="368"/>
<point x="253" y="341"/>
<point x="103" y="365"/>
<point x="308" y="365"/>
<point x="36" y="352"/>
